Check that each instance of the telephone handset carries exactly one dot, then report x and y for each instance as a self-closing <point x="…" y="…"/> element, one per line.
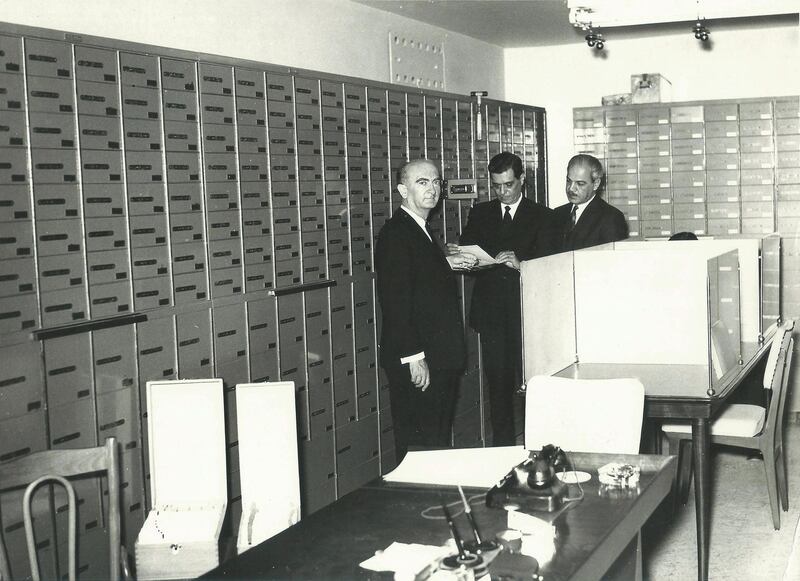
<point x="546" y="463"/>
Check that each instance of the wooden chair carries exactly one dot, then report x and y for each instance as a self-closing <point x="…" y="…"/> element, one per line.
<point x="749" y="426"/>
<point x="57" y="466"/>
<point x="584" y="415"/>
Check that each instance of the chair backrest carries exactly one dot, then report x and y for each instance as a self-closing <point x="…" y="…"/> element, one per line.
<point x="771" y="371"/>
<point x="783" y="344"/>
<point x="584" y="415"/>
<point x="35" y="469"/>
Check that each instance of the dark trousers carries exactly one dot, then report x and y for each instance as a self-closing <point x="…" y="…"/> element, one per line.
<point x="502" y="362"/>
<point x="422" y="418"/>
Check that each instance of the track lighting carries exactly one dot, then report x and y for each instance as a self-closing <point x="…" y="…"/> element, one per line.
<point x="700" y="30"/>
<point x="594" y="39"/>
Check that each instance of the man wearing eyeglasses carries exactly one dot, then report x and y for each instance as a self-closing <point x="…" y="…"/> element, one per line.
<point x="510" y="228"/>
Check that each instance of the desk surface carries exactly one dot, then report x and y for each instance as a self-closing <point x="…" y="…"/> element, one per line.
<point x="673" y="390"/>
<point x="330" y="543"/>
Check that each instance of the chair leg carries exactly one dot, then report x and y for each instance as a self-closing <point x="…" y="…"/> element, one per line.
<point x="772" y="486"/>
<point x="684" y="469"/>
<point x="780" y="471"/>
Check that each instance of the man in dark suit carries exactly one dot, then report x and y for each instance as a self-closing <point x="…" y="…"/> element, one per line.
<point x="510" y="228"/>
<point x="588" y="220"/>
<point x="422" y="338"/>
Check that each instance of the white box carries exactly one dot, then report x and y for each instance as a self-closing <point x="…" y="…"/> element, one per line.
<point x="268" y="463"/>
<point x="650" y="88"/>
<point x="188" y="485"/>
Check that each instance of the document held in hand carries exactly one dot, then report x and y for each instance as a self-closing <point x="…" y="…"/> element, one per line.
<point x="484" y="260"/>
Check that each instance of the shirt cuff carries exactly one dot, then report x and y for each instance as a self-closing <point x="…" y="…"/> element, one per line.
<point x="416" y="357"/>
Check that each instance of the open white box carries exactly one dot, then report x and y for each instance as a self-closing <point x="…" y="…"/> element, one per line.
<point x="671" y="305"/>
<point x="759" y="265"/>
<point x="268" y="463"/>
<point x="188" y="486"/>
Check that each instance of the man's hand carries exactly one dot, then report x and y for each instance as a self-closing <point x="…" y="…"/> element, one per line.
<point x="420" y="375"/>
<point x="452" y="248"/>
<point x="462" y="261"/>
<point x="508" y="258"/>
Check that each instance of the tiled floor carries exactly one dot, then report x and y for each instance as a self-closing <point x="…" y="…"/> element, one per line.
<point x="744" y="544"/>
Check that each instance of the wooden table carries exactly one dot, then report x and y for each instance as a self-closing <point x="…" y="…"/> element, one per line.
<point x="680" y="392"/>
<point x="330" y="543"/>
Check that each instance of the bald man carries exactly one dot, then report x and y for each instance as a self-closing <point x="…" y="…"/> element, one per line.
<point x="422" y="334"/>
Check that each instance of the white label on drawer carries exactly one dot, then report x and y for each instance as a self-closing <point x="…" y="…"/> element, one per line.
<point x="766" y="132"/>
<point x="766" y="116"/>
<point x="698" y="200"/>
<point x="725" y="269"/>
<point x="631" y="202"/>
<point x="633" y="218"/>
<point x="630" y="155"/>
<point x="663" y="121"/>
<point x="731" y="134"/>
<point x="697" y="167"/>
<point x="724" y="299"/>
<point x="630" y="123"/>
<point x="630" y="139"/>
<point x="665" y="216"/>
<point x="663" y="169"/>
<point x="697" y="135"/>
<point x="663" y="153"/>
<point x="697" y="152"/>
<point x="766" y="182"/>
<point x="731" y="150"/>
<point x="730" y="117"/>
<point x="733" y="230"/>
<point x="766" y="166"/>
<point x="697" y="184"/>
<point x="597" y="124"/>
<point x="699" y="216"/>
<point x="629" y="170"/>
<point x="663" y="185"/>
<point x="733" y="215"/>
<point x="631" y="186"/>
<point x="730" y="166"/>
<point x="663" y="137"/>
<point x="665" y="232"/>
<point x="733" y="199"/>
<point x="766" y="150"/>
<point x="731" y="183"/>
<point x="663" y="201"/>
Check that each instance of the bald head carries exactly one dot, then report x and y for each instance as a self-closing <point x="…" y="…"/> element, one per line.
<point x="403" y="172"/>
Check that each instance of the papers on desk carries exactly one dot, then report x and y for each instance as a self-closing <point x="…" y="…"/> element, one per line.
<point x="484" y="260"/>
<point x="475" y="467"/>
<point x="410" y="558"/>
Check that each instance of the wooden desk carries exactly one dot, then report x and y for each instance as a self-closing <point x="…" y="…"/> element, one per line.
<point x="679" y="392"/>
<point x="331" y="543"/>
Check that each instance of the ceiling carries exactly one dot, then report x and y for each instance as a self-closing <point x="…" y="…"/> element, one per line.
<point x="519" y="23"/>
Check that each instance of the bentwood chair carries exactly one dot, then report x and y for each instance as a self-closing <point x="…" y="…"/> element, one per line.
<point x="749" y="426"/>
<point x="59" y="467"/>
<point x="584" y="415"/>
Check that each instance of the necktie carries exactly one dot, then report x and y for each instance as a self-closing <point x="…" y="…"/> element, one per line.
<point x="574" y="215"/>
<point x="507" y="219"/>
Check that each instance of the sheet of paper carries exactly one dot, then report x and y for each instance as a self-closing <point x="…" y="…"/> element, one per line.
<point x="477" y="467"/>
<point x="405" y="557"/>
<point x="483" y="258"/>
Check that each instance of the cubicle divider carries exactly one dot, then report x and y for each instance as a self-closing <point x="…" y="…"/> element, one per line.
<point x="639" y="306"/>
<point x="759" y="266"/>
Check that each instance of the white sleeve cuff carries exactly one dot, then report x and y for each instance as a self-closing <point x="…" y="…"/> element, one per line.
<point x="416" y="357"/>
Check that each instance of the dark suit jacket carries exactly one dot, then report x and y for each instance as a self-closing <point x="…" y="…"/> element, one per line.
<point x="599" y="223"/>
<point x="418" y="295"/>
<point x="496" y="293"/>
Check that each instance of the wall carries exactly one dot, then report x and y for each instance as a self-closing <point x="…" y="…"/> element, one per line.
<point x="742" y="63"/>
<point x="335" y="36"/>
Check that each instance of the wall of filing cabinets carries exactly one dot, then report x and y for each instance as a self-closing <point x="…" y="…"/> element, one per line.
<point x="714" y="167"/>
<point x="173" y="215"/>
